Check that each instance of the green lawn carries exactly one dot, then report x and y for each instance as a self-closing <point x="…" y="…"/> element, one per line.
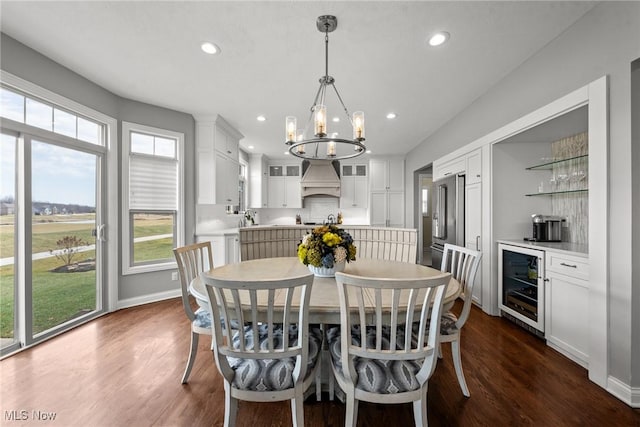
<point x="59" y="297"/>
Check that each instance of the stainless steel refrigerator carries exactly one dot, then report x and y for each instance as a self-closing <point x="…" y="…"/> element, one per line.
<point x="448" y="215"/>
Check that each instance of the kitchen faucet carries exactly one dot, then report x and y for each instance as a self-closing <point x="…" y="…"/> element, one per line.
<point x="331" y="219"/>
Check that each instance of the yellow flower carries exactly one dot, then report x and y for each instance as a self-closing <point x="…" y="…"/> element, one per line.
<point x="331" y="239"/>
<point x="302" y="253"/>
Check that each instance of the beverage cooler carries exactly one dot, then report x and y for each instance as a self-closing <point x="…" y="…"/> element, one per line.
<point x="521" y="285"/>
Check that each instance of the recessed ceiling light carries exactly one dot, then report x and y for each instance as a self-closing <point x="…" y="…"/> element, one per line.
<point x="391" y="116"/>
<point x="251" y="147"/>
<point x="261" y="118"/>
<point x="368" y="151"/>
<point x="336" y="119"/>
<point x="438" y="38"/>
<point x="210" y="48"/>
<point x="286" y="153"/>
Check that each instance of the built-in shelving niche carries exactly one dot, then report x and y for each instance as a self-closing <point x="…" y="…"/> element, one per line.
<point x="544" y="170"/>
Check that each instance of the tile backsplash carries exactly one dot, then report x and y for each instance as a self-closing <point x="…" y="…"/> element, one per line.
<point x="572" y="176"/>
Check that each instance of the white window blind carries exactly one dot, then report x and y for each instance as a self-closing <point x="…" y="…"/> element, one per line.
<point x="153" y="183"/>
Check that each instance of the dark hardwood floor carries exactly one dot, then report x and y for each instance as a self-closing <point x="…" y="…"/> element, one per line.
<point x="124" y="369"/>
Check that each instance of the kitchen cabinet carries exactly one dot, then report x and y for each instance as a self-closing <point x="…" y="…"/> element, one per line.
<point x="473" y="230"/>
<point x="225" y="247"/>
<point x="386" y="192"/>
<point x="258" y="181"/>
<point x="450" y="167"/>
<point x="354" y="186"/>
<point x="284" y="186"/>
<point x="387" y="174"/>
<point x="567" y="305"/>
<point x="226" y="186"/>
<point x="473" y="171"/>
<point x="217" y="160"/>
<point x="387" y="209"/>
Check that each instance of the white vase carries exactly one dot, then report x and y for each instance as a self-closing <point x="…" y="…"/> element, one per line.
<point x="326" y="272"/>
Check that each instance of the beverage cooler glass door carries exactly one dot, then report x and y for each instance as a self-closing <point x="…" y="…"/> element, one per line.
<point x="521" y="284"/>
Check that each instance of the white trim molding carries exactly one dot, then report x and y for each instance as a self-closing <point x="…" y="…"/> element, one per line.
<point x="147" y="299"/>
<point x="624" y="392"/>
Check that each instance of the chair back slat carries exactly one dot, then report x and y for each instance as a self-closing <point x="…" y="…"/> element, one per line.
<point x="394" y="304"/>
<point x="192" y="260"/>
<point x="463" y="264"/>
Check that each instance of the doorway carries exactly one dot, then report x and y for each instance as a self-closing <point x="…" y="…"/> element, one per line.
<point x="51" y="260"/>
<point x="422" y="215"/>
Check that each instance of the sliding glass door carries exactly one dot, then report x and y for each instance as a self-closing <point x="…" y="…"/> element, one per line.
<point x="51" y="263"/>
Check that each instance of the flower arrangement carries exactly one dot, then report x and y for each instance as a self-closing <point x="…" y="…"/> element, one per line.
<point x="325" y="246"/>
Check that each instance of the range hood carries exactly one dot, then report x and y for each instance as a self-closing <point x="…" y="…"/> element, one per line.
<point x="320" y="178"/>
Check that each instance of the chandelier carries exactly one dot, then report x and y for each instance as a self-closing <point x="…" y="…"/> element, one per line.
<point x="321" y="145"/>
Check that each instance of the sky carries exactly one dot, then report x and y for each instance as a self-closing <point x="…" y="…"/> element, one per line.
<point x="59" y="175"/>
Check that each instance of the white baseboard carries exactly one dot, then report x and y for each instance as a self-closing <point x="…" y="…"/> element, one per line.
<point x="146" y="299"/>
<point x="629" y="395"/>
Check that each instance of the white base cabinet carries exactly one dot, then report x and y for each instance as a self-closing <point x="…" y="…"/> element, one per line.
<point x="567" y="302"/>
<point x="225" y="247"/>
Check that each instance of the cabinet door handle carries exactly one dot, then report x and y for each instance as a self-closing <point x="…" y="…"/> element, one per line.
<point x="477" y="245"/>
<point x="568" y="265"/>
<point x="447" y="173"/>
<point x="478" y="176"/>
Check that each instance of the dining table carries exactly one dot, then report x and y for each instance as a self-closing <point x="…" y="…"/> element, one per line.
<point x="324" y="305"/>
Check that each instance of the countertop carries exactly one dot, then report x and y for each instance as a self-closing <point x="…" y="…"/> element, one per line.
<point x="206" y="231"/>
<point x="573" y="249"/>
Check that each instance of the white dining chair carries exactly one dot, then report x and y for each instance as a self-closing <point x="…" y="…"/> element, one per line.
<point x="390" y="363"/>
<point x="274" y="355"/>
<point x="463" y="264"/>
<point x="192" y="261"/>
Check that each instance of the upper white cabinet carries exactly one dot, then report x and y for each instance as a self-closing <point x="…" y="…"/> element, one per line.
<point x="226" y="143"/>
<point x="217" y="145"/>
<point x="226" y="186"/>
<point x="387" y="174"/>
<point x="258" y="181"/>
<point x="473" y="169"/>
<point x="284" y="186"/>
<point x="354" y="182"/>
<point x="450" y="167"/>
<point x="386" y="184"/>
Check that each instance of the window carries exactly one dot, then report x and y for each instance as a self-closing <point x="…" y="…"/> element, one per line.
<point x="47" y="116"/>
<point x="152" y="196"/>
<point x="242" y="185"/>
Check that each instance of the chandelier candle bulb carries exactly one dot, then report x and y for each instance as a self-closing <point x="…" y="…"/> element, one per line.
<point x="358" y="125"/>
<point x="320" y="120"/>
<point x="331" y="149"/>
<point x="291" y="125"/>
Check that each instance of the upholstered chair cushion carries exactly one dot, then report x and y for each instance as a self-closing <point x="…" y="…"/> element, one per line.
<point x="377" y="376"/>
<point x="271" y="374"/>
<point x="202" y="319"/>
<point x="448" y="324"/>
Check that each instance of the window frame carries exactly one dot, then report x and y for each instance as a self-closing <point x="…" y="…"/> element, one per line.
<point x="128" y="266"/>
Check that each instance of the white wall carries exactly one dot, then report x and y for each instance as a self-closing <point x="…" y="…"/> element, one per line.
<point x="604" y="42"/>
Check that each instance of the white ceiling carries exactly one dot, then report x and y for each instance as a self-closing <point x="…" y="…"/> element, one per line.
<point x="273" y="55"/>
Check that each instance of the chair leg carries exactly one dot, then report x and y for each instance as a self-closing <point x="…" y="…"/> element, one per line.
<point x="351" y="415"/>
<point x="420" y="411"/>
<point x="457" y="362"/>
<point x="230" y="406"/>
<point x="297" y="410"/>
<point x="440" y="351"/>
<point x="192" y="356"/>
